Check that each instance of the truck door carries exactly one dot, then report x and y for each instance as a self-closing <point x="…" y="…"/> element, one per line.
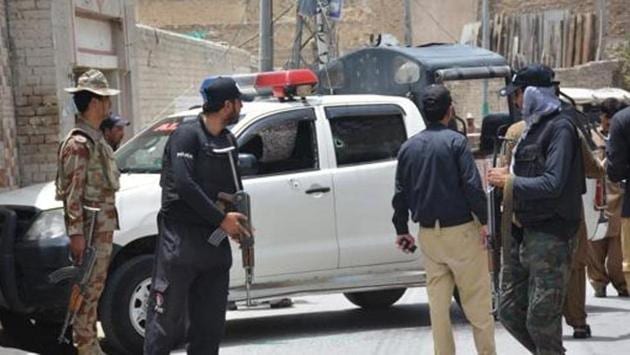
<point x="366" y="140"/>
<point x="292" y="197"/>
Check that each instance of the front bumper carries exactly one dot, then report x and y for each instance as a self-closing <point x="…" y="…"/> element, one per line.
<point x="25" y="265"/>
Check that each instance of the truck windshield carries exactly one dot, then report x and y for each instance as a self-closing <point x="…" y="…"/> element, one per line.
<point x="143" y="153"/>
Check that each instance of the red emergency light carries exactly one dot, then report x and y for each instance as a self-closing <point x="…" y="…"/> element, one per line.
<point x="282" y="84"/>
<point x="287" y="83"/>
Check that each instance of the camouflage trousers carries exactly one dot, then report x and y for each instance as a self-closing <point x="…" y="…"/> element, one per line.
<point x="84" y="325"/>
<point x="534" y="287"/>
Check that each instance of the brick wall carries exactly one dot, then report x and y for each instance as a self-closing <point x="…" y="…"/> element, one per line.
<point x="34" y="88"/>
<point x="171" y="67"/>
<point x="8" y="151"/>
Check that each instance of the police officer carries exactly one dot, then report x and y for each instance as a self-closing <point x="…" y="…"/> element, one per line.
<point x="438" y="181"/>
<point x="87" y="176"/>
<point x="546" y="180"/>
<point x="618" y="170"/>
<point x="190" y="275"/>
<point x="113" y="128"/>
<point x="605" y="266"/>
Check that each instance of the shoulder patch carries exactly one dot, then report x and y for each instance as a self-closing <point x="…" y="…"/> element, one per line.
<point x="79" y="138"/>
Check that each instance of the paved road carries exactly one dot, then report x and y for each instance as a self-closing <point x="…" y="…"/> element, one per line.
<point x="331" y="325"/>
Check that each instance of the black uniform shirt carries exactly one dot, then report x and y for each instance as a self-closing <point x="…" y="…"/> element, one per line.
<point x="618" y="154"/>
<point x="437" y="179"/>
<point x="193" y="175"/>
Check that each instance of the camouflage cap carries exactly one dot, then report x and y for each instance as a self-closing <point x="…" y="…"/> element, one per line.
<point x="93" y="81"/>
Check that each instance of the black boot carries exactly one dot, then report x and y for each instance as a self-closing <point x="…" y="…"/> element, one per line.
<point x="582" y="332"/>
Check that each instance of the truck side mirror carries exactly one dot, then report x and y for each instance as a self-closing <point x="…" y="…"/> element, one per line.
<point x="248" y="164"/>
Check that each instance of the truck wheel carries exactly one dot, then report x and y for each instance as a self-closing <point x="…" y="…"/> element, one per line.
<point x="375" y="299"/>
<point x="123" y="306"/>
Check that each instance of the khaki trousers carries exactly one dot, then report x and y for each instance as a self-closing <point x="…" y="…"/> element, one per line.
<point x="604" y="264"/>
<point x="575" y="303"/>
<point x="625" y="248"/>
<point x="455" y="256"/>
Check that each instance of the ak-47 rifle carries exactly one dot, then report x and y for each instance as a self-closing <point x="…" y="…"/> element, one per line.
<point x="80" y="274"/>
<point x="494" y="227"/>
<point x="240" y="202"/>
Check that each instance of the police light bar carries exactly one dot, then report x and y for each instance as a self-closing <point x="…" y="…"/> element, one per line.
<point x="282" y="84"/>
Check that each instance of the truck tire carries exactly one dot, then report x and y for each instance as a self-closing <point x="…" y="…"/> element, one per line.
<point x="375" y="299"/>
<point x="124" y="298"/>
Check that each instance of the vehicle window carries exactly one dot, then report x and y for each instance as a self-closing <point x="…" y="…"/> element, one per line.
<point x="361" y="138"/>
<point x="143" y="154"/>
<point x="282" y="143"/>
<point x="405" y="71"/>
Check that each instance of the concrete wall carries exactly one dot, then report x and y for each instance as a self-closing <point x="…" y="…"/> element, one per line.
<point x="592" y="75"/>
<point x="8" y="150"/>
<point x="236" y="21"/>
<point x="171" y="67"/>
<point x="441" y="21"/>
<point x="34" y="88"/>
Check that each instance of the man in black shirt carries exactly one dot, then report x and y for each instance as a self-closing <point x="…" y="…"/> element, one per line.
<point x="189" y="271"/>
<point x="542" y="195"/>
<point x="618" y="169"/>
<point x="437" y="180"/>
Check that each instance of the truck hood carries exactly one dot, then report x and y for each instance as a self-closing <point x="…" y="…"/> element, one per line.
<point x="42" y="196"/>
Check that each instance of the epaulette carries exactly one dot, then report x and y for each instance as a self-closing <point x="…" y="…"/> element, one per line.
<point x="81" y="136"/>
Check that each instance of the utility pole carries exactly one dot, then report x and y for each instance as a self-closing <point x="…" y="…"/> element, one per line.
<point x="408" y="26"/>
<point x="266" y="36"/>
<point x="485" y="43"/>
<point x="315" y="41"/>
<point x="322" y="35"/>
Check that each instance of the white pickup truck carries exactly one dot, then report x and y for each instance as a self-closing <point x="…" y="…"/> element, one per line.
<point x="320" y="172"/>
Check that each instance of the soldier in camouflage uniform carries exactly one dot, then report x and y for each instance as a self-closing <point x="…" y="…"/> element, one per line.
<point x="87" y="176"/>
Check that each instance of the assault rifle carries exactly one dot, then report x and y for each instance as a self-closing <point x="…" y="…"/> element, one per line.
<point x="240" y="202"/>
<point x="80" y="274"/>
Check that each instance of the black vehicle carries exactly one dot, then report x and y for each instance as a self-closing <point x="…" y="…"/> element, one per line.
<point x="406" y="71"/>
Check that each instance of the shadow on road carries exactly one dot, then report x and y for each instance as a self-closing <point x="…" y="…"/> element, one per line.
<point x="309" y="325"/>
<point x="299" y="325"/>
<point x="602" y="309"/>
<point x="599" y="338"/>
